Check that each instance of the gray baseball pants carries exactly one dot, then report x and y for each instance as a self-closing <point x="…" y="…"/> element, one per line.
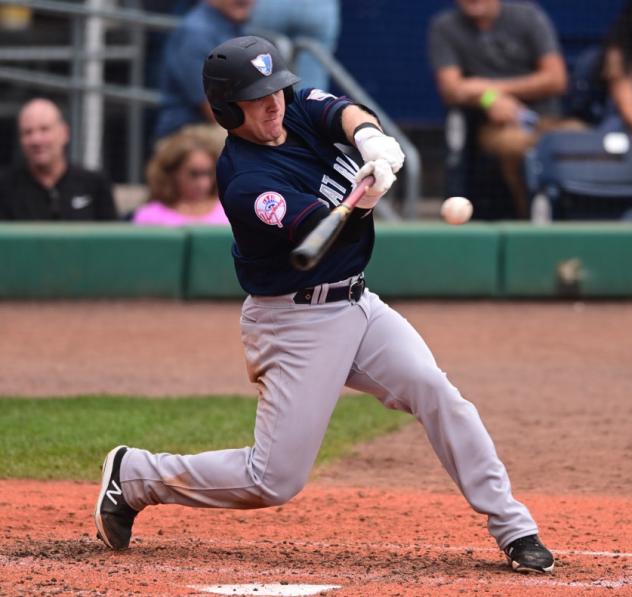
<point x="300" y="357"/>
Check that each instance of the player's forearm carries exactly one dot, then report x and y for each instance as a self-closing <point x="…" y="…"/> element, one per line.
<point x="457" y="90"/>
<point x="549" y="79"/>
<point x="353" y="117"/>
<point x="352" y="232"/>
<point x="536" y="86"/>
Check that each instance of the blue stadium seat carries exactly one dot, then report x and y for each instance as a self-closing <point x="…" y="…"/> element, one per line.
<point x="584" y="175"/>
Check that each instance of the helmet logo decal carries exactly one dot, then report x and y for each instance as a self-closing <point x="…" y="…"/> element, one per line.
<point x="270" y="208"/>
<point x="263" y="63"/>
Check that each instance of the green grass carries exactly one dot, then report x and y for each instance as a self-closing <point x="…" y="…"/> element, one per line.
<point x="67" y="438"/>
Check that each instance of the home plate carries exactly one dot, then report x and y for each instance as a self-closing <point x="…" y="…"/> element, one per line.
<point x="270" y="590"/>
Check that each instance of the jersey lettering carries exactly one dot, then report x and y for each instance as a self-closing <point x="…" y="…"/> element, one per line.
<point x="331" y="182"/>
<point x="343" y="170"/>
<point x="332" y="190"/>
<point x="333" y="196"/>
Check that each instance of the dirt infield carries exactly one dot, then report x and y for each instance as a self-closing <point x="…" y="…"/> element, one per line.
<point x="552" y="382"/>
<point x="369" y="542"/>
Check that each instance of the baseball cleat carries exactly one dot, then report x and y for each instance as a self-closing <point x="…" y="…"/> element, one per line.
<point x="113" y="516"/>
<point x="527" y="554"/>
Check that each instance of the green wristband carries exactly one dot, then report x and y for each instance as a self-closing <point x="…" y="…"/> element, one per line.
<point x="488" y="98"/>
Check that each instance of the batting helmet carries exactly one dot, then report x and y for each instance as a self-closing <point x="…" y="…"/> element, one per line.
<point x="244" y="68"/>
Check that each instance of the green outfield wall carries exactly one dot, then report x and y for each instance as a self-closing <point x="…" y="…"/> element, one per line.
<point x="42" y="261"/>
<point x="211" y="272"/>
<point x="415" y="260"/>
<point x="584" y="260"/>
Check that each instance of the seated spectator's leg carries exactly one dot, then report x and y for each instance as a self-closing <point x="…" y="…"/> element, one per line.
<point x="319" y="20"/>
<point x="510" y="143"/>
<point x="547" y="124"/>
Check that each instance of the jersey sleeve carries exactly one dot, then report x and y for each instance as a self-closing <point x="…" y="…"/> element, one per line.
<point x="266" y="206"/>
<point x="442" y="52"/>
<point x="542" y="35"/>
<point x="323" y="110"/>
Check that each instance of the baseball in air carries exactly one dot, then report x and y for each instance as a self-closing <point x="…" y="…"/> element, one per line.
<point x="456" y="210"/>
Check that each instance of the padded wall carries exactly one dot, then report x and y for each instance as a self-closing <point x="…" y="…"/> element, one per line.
<point x="415" y="260"/>
<point x="420" y="260"/>
<point x="567" y="260"/>
<point x="210" y="268"/>
<point x="90" y="261"/>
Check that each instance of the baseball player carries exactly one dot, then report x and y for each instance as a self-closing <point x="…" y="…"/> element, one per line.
<point x="306" y="334"/>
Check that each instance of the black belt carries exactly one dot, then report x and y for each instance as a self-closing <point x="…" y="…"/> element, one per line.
<point x="352" y="292"/>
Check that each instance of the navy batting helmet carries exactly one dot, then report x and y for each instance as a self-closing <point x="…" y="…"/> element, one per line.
<point x="244" y="68"/>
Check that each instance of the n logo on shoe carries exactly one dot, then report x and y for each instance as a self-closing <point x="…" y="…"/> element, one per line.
<point x="110" y="493"/>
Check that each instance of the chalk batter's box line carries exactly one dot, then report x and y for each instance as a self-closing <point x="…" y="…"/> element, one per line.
<point x="430" y="546"/>
<point x="602" y="583"/>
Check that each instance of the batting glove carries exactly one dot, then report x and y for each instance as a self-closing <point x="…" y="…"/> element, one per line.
<point x="384" y="179"/>
<point x="373" y="144"/>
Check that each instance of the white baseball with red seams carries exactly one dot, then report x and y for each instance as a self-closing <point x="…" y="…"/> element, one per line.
<point x="457" y="210"/>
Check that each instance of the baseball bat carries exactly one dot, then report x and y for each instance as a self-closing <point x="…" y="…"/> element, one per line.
<point x="317" y="242"/>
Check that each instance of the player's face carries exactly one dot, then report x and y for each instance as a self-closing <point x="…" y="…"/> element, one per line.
<point x="237" y="11"/>
<point x="479" y="9"/>
<point x="43" y="135"/>
<point x="195" y="176"/>
<point x="263" y="119"/>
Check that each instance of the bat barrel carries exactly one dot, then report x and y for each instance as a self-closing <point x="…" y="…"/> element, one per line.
<point x="318" y="241"/>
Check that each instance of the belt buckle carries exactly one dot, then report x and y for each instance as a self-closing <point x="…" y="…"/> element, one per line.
<point x="355" y="290"/>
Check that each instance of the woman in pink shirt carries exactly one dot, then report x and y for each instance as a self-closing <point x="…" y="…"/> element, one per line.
<point x="181" y="179"/>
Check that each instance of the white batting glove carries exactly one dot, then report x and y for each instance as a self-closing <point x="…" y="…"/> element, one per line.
<point x="373" y="144"/>
<point x="384" y="179"/>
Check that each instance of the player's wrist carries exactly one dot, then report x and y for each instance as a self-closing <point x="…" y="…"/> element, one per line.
<point x="365" y="131"/>
<point x="488" y="98"/>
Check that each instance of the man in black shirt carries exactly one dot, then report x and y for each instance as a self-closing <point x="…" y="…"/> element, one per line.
<point x="45" y="186"/>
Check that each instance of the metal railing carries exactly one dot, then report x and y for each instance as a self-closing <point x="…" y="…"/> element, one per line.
<point x="85" y="87"/>
<point x="87" y="91"/>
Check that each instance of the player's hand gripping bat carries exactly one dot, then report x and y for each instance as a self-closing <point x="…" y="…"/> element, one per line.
<point x="318" y="241"/>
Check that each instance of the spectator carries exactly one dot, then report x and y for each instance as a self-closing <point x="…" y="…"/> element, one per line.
<point x="46" y="186"/>
<point x="618" y="73"/>
<point x="318" y="19"/>
<point x="181" y="179"/>
<point x="210" y="23"/>
<point x="502" y="59"/>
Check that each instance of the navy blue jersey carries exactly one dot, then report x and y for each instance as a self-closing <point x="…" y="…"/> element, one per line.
<point x="267" y="191"/>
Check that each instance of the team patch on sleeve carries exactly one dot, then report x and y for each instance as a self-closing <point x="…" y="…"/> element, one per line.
<point x="270" y="208"/>
<point x="318" y="95"/>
